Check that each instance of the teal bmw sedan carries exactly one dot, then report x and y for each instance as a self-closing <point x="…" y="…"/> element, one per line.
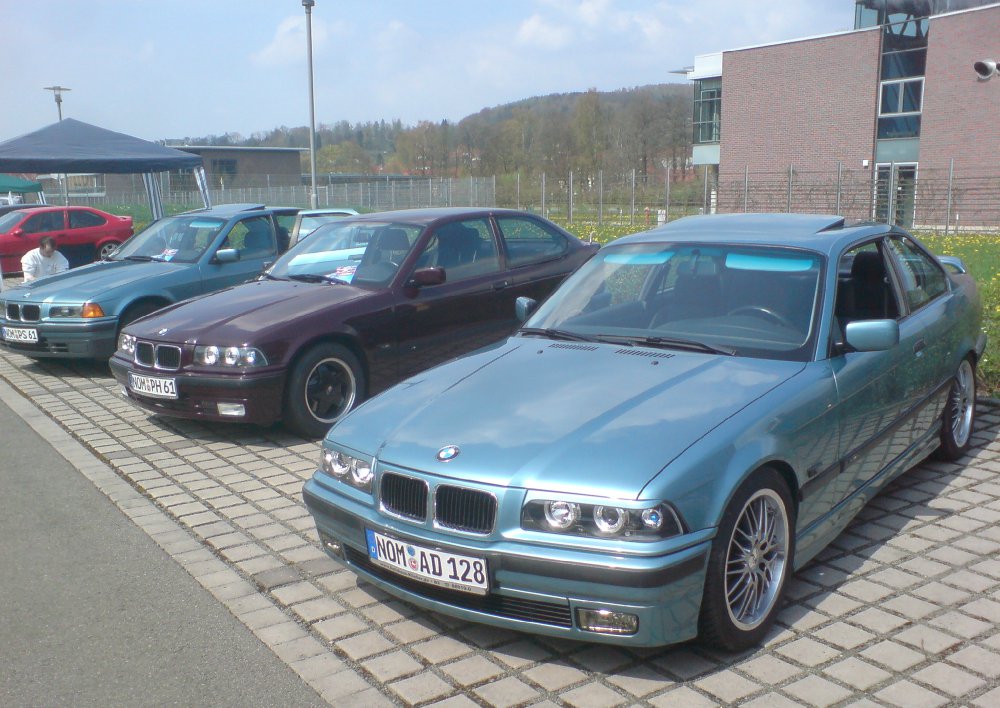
<point x="689" y="419"/>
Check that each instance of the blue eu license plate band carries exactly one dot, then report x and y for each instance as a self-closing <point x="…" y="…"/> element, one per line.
<point x="447" y="570"/>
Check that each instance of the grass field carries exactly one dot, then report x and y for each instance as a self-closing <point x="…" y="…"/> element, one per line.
<point x="980" y="252"/>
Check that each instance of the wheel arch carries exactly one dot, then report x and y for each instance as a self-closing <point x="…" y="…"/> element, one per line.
<point x="344" y="339"/>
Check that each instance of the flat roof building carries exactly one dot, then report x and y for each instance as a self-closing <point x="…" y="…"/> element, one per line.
<point x="897" y="120"/>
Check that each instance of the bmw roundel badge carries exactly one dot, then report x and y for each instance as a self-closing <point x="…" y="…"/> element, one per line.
<point x="448" y="453"/>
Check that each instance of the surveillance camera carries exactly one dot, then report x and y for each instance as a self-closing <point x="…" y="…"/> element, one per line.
<point x="985" y="68"/>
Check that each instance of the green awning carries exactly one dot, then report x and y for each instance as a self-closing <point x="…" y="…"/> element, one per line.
<point x="9" y="183"/>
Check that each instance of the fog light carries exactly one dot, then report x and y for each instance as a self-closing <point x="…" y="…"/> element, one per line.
<point x="234" y="409"/>
<point x="331" y="545"/>
<point x="607" y="622"/>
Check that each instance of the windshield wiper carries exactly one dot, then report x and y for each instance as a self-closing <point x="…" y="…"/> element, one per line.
<point x="555" y="334"/>
<point x="316" y="278"/>
<point x="666" y="343"/>
<point x="268" y="276"/>
<point x="140" y="258"/>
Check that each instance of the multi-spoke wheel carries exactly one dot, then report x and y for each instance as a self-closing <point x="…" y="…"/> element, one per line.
<point x="749" y="564"/>
<point x="323" y="386"/>
<point x="959" y="414"/>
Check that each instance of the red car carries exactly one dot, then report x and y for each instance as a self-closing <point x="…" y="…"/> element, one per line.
<point x="82" y="234"/>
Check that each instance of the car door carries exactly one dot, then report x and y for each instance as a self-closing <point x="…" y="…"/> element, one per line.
<point x="878" y="391"/>
<point x="253" y="237"/>
<point x="925" y="289"/>
<point x="439" y="322"/>
<point x="534" y="258"/>
<point x="46" y="223"/>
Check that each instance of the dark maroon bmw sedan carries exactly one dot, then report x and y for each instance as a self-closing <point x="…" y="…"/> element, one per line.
<point x="362" y="303"/>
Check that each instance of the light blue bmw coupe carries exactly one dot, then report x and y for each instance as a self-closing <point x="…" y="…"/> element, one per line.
<point x="688" y="419"/>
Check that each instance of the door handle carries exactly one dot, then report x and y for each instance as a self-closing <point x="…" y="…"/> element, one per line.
<point x="501" y="284"/>
<point x="918" y="347"/>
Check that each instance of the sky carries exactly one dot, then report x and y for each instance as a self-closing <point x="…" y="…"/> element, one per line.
<point x="175" y="69"/>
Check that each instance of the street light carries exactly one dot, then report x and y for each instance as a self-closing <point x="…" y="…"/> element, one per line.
<point x="57" y="90"/>
<point x="308" y="5"/>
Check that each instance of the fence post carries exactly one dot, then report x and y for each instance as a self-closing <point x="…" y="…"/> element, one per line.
<point x="951" y="175"/>
<point x="788" y="201"/>
<point x="518" y="190"/>
<point x="570" y="212"/>
<point x="704" y="198"/>
<point x="840" y="176"/>
<point x="891" y="196"/>
<point x="666" y="199"/>
<point x="600" y="197"/>
<point x="543" y="194"/>
<point x="746" y="187"/>
<point x="631" y="216"/>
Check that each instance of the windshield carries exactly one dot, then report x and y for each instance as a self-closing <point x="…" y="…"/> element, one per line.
<point x="181" y="239"/>
<point x="311" y="223"/>
<point x="363" y="253"/>
<point x="742" y="300"/>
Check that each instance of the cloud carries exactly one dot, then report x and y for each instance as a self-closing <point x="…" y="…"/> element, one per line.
<point x="288" y="46"/>
<point x="536" y="31"/>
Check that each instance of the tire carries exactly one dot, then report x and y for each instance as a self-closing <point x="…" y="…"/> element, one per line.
<point x="959" y="415"/>
<point x="745" y="582"/>
<point x="323" y="386"/>
<point x="107" y="249"/>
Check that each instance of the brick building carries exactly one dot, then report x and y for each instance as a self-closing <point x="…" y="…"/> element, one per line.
<point x="893" y="107"/>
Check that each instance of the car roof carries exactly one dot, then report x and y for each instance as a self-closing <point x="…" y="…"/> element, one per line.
<point x="431" y="214"/>
<point x="227" y="210"/>
<point x="328" y="210"/>
<point x="820" y="232"/>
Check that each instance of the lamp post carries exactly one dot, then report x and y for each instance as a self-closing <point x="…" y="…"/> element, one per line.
<point x="308" y="5"/>
<point x="57" y="90"/>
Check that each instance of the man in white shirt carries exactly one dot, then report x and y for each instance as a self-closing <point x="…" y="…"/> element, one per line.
<point x="44" y="260"/>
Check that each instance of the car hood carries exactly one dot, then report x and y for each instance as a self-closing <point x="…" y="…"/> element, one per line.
<point x="87" y="283"/>
<point x="238" y="313"/>
<point x="559" y="416"/>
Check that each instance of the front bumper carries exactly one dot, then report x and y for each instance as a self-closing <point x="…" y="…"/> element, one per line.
<point x="532" y="588"/>
<point x="90" y="340"/>
<point x="199" y="395"/>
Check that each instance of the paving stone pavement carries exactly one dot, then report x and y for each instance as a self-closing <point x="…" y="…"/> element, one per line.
<point x="901" y="610"/>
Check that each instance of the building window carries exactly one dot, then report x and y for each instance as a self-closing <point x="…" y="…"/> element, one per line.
<point x="707" y="111"/>
<point x="224" y="168"/>
<point x="900" y="103"/>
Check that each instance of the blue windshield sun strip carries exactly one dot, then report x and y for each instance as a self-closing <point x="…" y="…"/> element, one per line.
<point x="769" y="263"/>
<point x="205" y="224"/>
<point x="658" y="258"/>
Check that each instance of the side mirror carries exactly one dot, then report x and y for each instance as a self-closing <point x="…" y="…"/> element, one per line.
<point x="427" y="276"/>
<point x="17" y="232"/>
<point x="872" y="335"/>
<point x="523" y="307"/>
<point x="226" y="255"/>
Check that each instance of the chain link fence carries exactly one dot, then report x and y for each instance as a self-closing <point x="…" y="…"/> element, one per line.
<point x="936" y="200"/>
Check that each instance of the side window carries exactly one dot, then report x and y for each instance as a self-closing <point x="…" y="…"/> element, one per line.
<point x="47" y="221"/>
<point x="464" y="249"/>
<point x="864" y="291"/>
<point x="84" y="219"/>
<point x="528" y="241"/>
<point x="253" y="238"/>
<point x="923" y="280"/>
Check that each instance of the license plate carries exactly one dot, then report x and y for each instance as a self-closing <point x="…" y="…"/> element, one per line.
<point x="152" y="386"/>
<point x="20" y="334"/>
<point x="446" y="570"/>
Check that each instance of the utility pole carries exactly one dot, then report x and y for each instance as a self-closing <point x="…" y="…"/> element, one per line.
<point x="57" y="90"/>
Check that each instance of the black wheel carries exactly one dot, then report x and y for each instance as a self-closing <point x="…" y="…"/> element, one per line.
<point x="749" y="564"/>
<point x="323" y="386"/>
<point x="107" y="249"/>
<point x="959" y="414"/>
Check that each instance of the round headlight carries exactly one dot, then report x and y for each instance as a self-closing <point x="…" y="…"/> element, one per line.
<point x="338" y="463"/>
<point x="232" y="356"/>
<point x="652" y="518"/>
<point x="610" y="519"/>
<point x="561" y="515"/>
<point x="211" y="355"/>
<point x="250" y="357"/>
<point x="361" y="472"/>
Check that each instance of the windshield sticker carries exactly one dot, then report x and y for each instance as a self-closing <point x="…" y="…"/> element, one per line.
<point x="345" y="273"/>
<point x="773" y="264"/>
<point x="168" y="254"/>
<point x="658" y="258"/>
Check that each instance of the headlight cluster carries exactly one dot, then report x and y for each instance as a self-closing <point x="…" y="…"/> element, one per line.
<point x="601" y="521"/>
<point x="126" y="343"/>
<point x="229" y="356"/>
<point x="356" y="472"/>
<point x="87" y="310"/>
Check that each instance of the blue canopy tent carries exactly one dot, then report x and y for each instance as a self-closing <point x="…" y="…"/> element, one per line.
<point x="73" y="146"/>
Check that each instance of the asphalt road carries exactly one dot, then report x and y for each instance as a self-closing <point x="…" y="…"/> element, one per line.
<point x="93" y="612"/>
